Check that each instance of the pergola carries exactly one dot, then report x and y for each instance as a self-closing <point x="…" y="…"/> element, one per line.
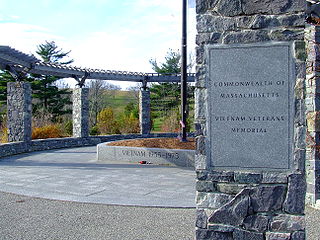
<point x="19" y="64"/>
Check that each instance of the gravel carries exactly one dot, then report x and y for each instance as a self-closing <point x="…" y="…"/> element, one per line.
<point x="33" y="218"/>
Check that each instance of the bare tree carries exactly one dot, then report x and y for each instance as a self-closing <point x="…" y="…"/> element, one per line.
<point x="98" y="90"/>
<point x="134" y="91"/>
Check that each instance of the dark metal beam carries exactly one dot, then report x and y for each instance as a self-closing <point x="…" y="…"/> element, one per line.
<point x="184" y="72"/>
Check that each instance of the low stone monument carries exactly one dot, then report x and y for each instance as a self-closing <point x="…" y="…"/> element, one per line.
<point x="250" y="120"/>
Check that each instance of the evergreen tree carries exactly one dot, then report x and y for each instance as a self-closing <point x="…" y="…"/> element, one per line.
<point x="165" y="97"/>
<point x="5" y="77"/>
<point x="48" y="98"/>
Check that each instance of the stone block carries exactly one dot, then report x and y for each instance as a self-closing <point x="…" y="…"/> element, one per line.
<point x="313" y="123"/>
<point x="287" y="34"/>
<point x="292" y="20"/>
<point x="200" y="162"/>
<point x="274" y="177"/>
<point x="262" y="21"/>
<point x="272" y="7"/>
<point x="240" y="234"/>
<point x="299" y="89"/>
<point x="278" y="236"/>
<point x="205" y="186"/>
<point x="300" y="136"/>
<point x="230" y="188"/>
<point x="210" y="23"/>
<point x="249" y="178"/>
<point x="201" y="145"/>
<point x="229" y="8"/>
<point x="202" y="219"/>
<point x="299" y="116"/>
<point x="301" y="73"/>
<point x="220" y="228"/>
<point x="258" y="223"/>
<point x="300" y="50"/>
<point x="221" y="176"/>
<point x="212" y="200"/>
<point x="295" y="198"/>
<point x="267" y="198"/>
<point x="234" y="212"/>
<point x="249" y="36"/>
<point x="202" y="175"/>
<point x="299" y="235"/>
<point x="284" y="222"/>
<point x="203" y="234"/>
<point x="200" y="103"/>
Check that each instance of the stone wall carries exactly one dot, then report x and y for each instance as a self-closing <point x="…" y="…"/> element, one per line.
<point x="8" y="149"/>
<point x="19" y="111"/>
<point x="254" y="204"/>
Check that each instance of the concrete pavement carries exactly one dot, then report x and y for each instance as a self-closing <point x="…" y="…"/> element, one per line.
<point x="74" y="175"/>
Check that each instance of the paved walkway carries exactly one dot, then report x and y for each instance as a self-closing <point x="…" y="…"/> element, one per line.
<point x="74" y="175"/>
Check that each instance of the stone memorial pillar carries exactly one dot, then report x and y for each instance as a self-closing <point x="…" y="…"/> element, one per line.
<point x="144" y="111"/>
<point x="19" y="109"/>
<point x="250" y="120"/>
<point x="80" y="112"/>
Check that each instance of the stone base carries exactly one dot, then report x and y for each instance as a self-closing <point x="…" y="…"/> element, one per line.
<point x="172" y="157"/>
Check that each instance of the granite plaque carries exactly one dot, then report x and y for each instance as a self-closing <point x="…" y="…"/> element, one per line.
<point x="250" y="94"/>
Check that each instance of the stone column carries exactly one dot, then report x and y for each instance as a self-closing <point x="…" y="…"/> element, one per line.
<point x="250" y="172"/>
<point x="144" y="111"/>
<point x="312" y="36"/>
<point x="80" y="112"/>
<point x="19" y="111"/>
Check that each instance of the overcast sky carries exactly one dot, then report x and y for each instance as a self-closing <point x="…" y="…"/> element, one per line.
<point x="105" y="34"/>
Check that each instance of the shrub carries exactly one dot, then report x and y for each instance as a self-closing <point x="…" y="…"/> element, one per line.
<point x="68" y="128"/>
<point x="106" y="123"/>
<point x="171" y="123"/>
<point x="49" y="131"/>
<point x="3" y="134"/>
<point x="129" y="124"/>
<point x="94" y="131"/>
